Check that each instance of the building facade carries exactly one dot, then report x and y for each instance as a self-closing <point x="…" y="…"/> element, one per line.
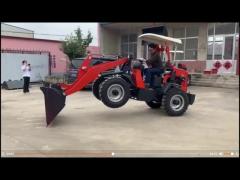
<point x="58" y="60"/>
<point x="206" y="46"/>
<point x="93" y="49"/>
<point x="14" y="31"/>
<point x="46" y="56"/>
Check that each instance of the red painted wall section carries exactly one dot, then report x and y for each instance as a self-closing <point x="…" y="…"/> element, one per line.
<point x="54" y="47"/>
<point x="195" y="66"/>
<point x="26" y="44"/>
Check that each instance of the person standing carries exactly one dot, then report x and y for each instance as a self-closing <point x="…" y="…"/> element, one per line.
<point x="26" y="69"/>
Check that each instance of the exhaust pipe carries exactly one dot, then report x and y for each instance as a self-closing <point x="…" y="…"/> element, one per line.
<point x="54" y="102"/>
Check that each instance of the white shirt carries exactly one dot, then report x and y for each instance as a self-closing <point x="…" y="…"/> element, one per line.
<point x="26" y="71"/>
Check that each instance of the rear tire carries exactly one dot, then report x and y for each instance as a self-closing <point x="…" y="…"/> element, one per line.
<point x="154" y="104"/>
<point x="175" y="102"/>
<point x="114" y="92"/>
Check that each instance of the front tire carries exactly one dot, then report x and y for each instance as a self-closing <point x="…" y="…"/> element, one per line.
<point x="95" y="87"/>
<point x="175" y="102"/>
<point x="114" y="92"/>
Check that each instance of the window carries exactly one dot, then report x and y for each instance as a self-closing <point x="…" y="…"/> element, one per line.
<point x="181" y="46"/>
<point x="224" y="28"/>
<point x="192" y="31"/>
<point x="218" y="47"/>
<point x="129" y="45"/>
<point x="133" y="38"/>
<point x="189" y="37"/>
<point x="221" y="38"/>
<point x="237" y="28"/>
<point x="236" y="47"/>
<point x="191" y="48"/>
<point x="191" y="54"/>
<point x="210" y="29"/>
<point x="133" y="50"/>
<point x="179" y="33"/>
<point x="125" y="39"/>
<point x="192" y="43"/>
<point x="228" y="48"/>
<point x="210" y="48"/>
<point x="53" y="61"/>
<point x="124" y="50"/>
<point x="236" y="54"/>
<point x="179" y="56"/>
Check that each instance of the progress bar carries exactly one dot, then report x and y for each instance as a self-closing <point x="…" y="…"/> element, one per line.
<point x="119" y="153"/>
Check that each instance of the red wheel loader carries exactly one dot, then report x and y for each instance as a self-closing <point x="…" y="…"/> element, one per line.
<point x="115" y="89"/>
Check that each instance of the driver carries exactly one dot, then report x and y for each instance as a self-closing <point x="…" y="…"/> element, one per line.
<point x="155" y="65"/>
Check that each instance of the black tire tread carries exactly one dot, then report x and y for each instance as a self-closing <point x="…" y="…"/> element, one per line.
<point x="165" y="104"/>
<point x="104" y="86"/>
<point x="95" y="87"/>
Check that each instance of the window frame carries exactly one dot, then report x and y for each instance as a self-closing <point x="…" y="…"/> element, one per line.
<point x="184" y="47"/>
<point x="224" y="36"/>
<point x="128" y="43"/>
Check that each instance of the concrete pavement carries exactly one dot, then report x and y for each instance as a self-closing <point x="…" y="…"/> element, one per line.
<point x="86" y="127"/>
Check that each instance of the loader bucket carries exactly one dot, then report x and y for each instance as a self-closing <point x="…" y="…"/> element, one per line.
<point x="54" y="102"/>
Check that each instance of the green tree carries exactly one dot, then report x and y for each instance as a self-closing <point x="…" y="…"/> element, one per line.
<point x="75" y="46"/>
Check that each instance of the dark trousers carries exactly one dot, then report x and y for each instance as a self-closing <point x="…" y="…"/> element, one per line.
<point x="26" y="84"/>
<point x="150" y="73"/>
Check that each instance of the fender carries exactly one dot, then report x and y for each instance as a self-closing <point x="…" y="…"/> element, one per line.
<point x="180" y="73"/>
<point x="138" y="80"/>
<point x="169" y="86"/>
<point x="126" y="77"/>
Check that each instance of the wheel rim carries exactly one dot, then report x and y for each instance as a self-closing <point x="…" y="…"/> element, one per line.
<point x="177" y="102"/>
<point x="115" y="93"/>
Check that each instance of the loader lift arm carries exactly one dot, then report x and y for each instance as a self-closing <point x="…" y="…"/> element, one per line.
<point x="87" y="74"/>
<point x="55" y="96"/>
